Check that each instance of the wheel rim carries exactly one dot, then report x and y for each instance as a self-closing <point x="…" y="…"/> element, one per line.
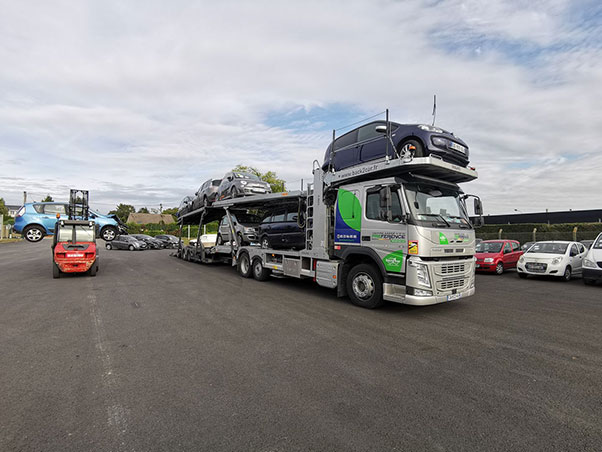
<point x="567" y="274"/>
<point x="108" y="234"/>
<point x="499" y="269"/>
<point x="408" y="148"/>
<point x="265" y="243"/>
<point x="244" y="264"/>
<point x="108" y="247"/>
<point x="257" y="268"/>
<point x="363" y="286"/>
<point x="131" y="248"/>
<point x="34" y="234"/>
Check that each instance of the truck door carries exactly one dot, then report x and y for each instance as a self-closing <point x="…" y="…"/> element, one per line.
<point x="383" y="228"/>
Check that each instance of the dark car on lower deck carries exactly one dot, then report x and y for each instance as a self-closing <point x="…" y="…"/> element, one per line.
<point x="280" y="229"/>
<point x="369" y="142"/>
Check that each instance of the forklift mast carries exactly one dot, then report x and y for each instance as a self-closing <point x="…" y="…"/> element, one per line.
<point x="78" y="205"/>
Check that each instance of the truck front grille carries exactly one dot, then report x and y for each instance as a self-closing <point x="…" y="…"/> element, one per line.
<point x="451" y="269"/>
<point x="452" y="284"/>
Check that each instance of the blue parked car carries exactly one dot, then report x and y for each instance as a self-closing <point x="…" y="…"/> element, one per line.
<point x="369" y="142"/>
<point x="36" y="220"/>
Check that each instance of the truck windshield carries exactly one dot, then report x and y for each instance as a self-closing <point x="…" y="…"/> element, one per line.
<point x="82" y="234"/>
<point x="436" y="206"/>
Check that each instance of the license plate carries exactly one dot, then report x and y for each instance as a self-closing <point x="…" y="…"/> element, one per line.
<point x="456" y="146"/>
<point x="454" y="296"/>
<point x="75" y="255"/>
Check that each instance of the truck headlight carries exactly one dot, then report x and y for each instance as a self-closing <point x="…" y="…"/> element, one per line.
<point x="422" y="293"/>
<point x="489" y="260"/>
<point x="589" y="264"/>
<point x="422" y="273"/>
<point x="556" y="260"/>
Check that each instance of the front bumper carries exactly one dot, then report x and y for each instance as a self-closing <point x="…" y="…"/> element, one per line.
<point x="551" y="270"/>
<point x="436" y="299"/>
<point x="485" y="267"/>
<point x="592" y="273"/>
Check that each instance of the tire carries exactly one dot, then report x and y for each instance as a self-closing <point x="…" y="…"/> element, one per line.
<point x="589" y="282"/>
<point x="56" y="272"/>
<point x="108" y="233"/>
<point x="109" y="246"/>
<point x="523" y="275"/>
<point x="34" y="233"/>
<point x="260" y="273"/>
<point x="234" y="192"/>
<point x="365" y="286"/>
<point x="413" y="146"/>
<point x="241" y="240"/>
<point x="220" y="240"/>
<point x="568" y="273"/>
<point x="265" y="242"/>
<point x="205" y="202"/>
<point x="94" y="268"/>
<point x="131" y="247"/>
<point x="499" y="268"/>
<point x="244" y="265"/>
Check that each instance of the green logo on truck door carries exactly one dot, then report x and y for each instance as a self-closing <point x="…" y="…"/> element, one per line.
<point x="393" y="262"/>
<point x="443" y="239"/>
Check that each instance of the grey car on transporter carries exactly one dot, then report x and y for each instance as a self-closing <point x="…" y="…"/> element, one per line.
<point x="245" y="227"/>
<point x="206" y="194"/>
<point x="370" y="142"/>
<point x="238" y="183"/>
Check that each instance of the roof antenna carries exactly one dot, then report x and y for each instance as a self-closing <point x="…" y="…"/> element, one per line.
<point x="434" y="108"/>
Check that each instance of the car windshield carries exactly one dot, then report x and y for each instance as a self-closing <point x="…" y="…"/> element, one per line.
<point x="246" y="176"/>
<point x="436" y="206"/>
<point x="247" y="218"/>
<point x="143" y="236"/>
<point x="216" y="182"/>
<point x="598" y="242"/>
<point x="548" y="248"/>
<point x="82" y="234"/>
<point x="489" y="247"/>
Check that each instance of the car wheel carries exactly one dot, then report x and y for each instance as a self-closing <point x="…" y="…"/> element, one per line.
<point x="234" y="192"/>
<point x="523" y="275"/>
<point x="589" y="282"/>
<point x="109" y="246"/>
<point x="413" y="147"/>
<point x="56" y="272"/>
<point x="244" y="265"/>
<point x="131" y="247"/>
<point x="365" y="286"/>
<point x="265" y="243"/>
<point x="260" y="273"/>
<point x="499" y="268"/>
<point x="567" y="274"/>
<point x="108" y="233"/>
<point x="34" y="233"/>
<point x="240" y="238"/>
<point x="205" y="202"/>
<point x="220" y="240"/>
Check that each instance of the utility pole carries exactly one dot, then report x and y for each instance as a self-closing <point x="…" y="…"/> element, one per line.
<point x="160" y="208"/>
<point x="24" y="197"/>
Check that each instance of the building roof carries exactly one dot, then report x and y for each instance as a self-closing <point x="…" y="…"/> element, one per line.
<point x="150" y="218"/>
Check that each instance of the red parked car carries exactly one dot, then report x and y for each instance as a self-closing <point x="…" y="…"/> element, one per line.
<point x="497" y="255"/>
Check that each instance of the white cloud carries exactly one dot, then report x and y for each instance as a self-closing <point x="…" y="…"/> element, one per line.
<point x="141" y="101"/>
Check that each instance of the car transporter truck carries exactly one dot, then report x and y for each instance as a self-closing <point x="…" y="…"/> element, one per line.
<point x="394" y="230"/>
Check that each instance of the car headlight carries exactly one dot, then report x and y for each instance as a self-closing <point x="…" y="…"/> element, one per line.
<point x="521" y="260"/>
<point x="430" y="128"/>
<point x="489" y="260"/>
<point x="422" y="273"/>
<point x="243" y="182"/>
<point x="589" y="264"/>
<point x="438" y="141"/>
<point x="556" y="260"/>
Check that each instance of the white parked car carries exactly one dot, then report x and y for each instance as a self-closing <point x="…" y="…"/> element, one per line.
<point x="206" y="240"/>
<point x="555" y="258"/>
<point x="592" y="263"/>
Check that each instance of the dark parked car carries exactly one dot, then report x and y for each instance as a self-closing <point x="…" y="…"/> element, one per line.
<point x="281" y="230"/>
<point x="369" y="142"/>
<point x="170" y="241"/>
<point x="185" y="206"/>
<point x="151" y="242"/>
<point x="245" y="226"/>
<point x="236" y="184"/>
<point x="206" y="194"/>
<point x="126" y="242"/>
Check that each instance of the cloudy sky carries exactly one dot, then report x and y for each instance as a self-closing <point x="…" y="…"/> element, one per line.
<point x="141" y="101"/>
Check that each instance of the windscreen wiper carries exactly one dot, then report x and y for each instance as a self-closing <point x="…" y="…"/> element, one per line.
<point x="437" y="216"/>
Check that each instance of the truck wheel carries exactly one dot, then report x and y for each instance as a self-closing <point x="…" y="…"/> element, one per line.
<point x="108" y="233"/>
<point x="34" y="233"/>
<point x="365" y="286"/>
<point x="260" y="273"/>
<point x="56" y="272"/>
<point x="499" y="268"/>
<point x="244" y="265"/>
<point x="567" y="274"/>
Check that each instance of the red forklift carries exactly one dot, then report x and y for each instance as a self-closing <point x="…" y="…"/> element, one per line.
<point x="74" y="243"/>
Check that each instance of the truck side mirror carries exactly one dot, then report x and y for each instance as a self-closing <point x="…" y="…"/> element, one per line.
<point x="478" y="207"/>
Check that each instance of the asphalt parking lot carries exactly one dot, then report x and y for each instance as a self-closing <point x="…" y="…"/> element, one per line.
<point x="160" y="354"/>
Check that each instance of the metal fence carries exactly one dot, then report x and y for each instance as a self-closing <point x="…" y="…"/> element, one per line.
<point x="535" y="235"/>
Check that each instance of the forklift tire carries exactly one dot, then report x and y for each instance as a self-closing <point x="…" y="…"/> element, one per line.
<point x="365" y="286"/>
<point x="94" y="268"/>
<point x="56" y="272"/>
<point x="244" y="265"/>
<point x="260" y="273"/>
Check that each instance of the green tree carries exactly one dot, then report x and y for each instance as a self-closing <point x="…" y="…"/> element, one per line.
<point x="48" y="198"/>
<point x="270" y="177"/>
<point x="123" y="211"/>
<point x="171" y="211"/>
<point x="143" y="210"/>
<point x="3" y="208"/>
